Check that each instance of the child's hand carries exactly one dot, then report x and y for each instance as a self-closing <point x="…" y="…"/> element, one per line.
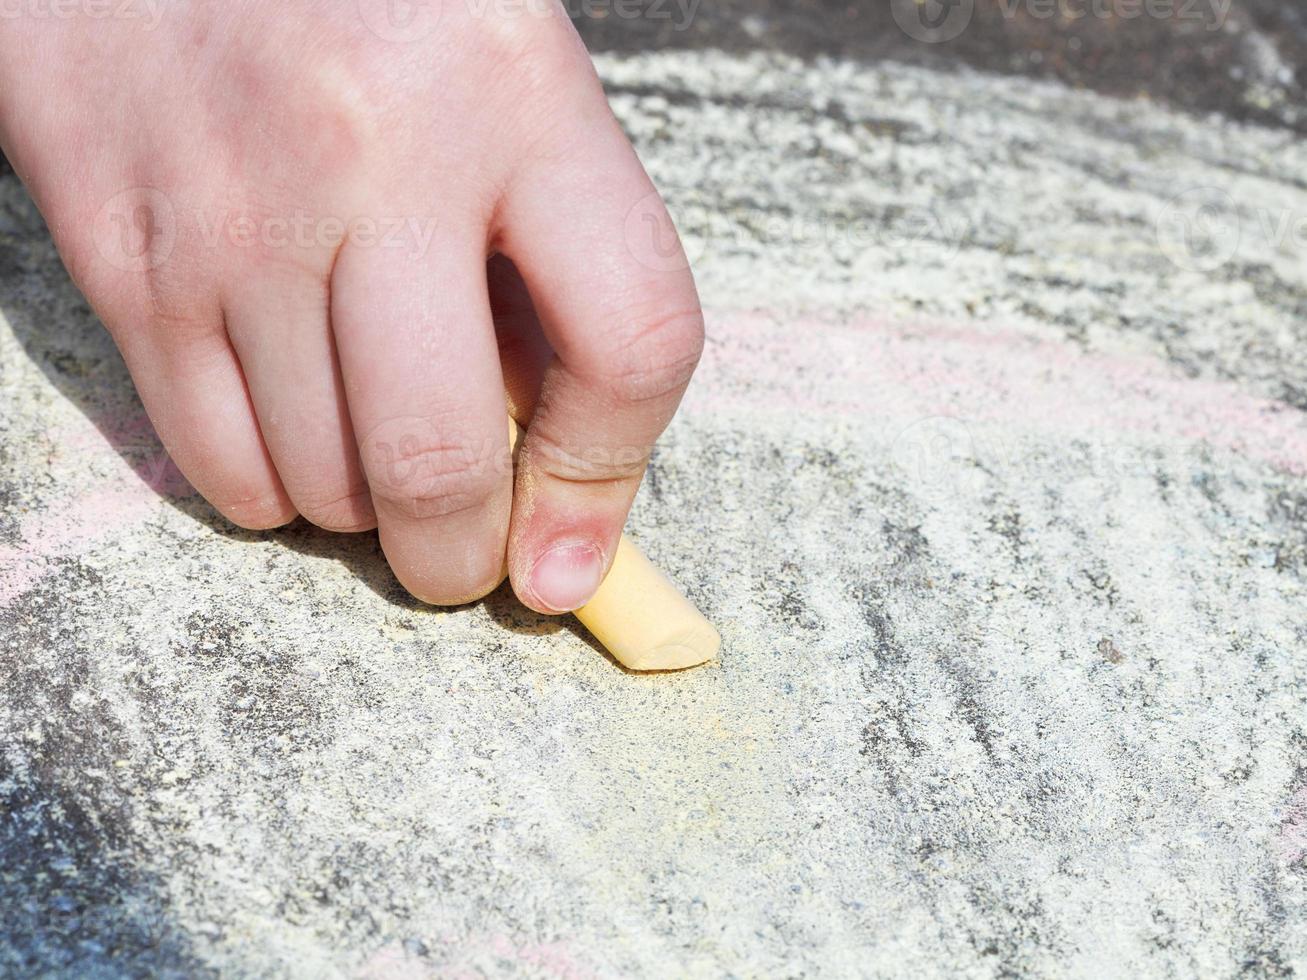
<point x="283" y="213"/>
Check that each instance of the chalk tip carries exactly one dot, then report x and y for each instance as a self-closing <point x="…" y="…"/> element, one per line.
<point x="693" y="651"/>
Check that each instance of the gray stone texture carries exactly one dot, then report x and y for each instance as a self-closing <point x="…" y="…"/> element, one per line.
<point x="994" y="480"/>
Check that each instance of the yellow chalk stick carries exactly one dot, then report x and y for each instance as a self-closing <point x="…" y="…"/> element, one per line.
<point x="644" y="620"/>
<point x="640" y="616"/>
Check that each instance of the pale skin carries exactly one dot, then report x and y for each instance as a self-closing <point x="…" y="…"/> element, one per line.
<point x="336" y="248"/>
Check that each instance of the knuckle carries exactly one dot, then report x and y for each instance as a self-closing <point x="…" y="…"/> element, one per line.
<point x="541" y="57"/>
<point x="428" y="480"/>
<point x="653" y="357"/>
<point x="534" y="46"/>
<point x="576" y="463"/>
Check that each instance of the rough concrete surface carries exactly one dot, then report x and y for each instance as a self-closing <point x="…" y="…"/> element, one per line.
<point x="1236" y="57"/>
<point x="994" y="479"/>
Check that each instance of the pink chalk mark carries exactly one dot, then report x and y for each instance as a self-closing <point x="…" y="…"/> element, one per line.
<point x="871" y="369"/>
<point x="1291" y="841"/>
<point x="73" y="525"/>
<point x="892" y="371"/>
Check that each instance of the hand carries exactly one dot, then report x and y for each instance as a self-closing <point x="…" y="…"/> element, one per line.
<point x="329" y="240"/>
